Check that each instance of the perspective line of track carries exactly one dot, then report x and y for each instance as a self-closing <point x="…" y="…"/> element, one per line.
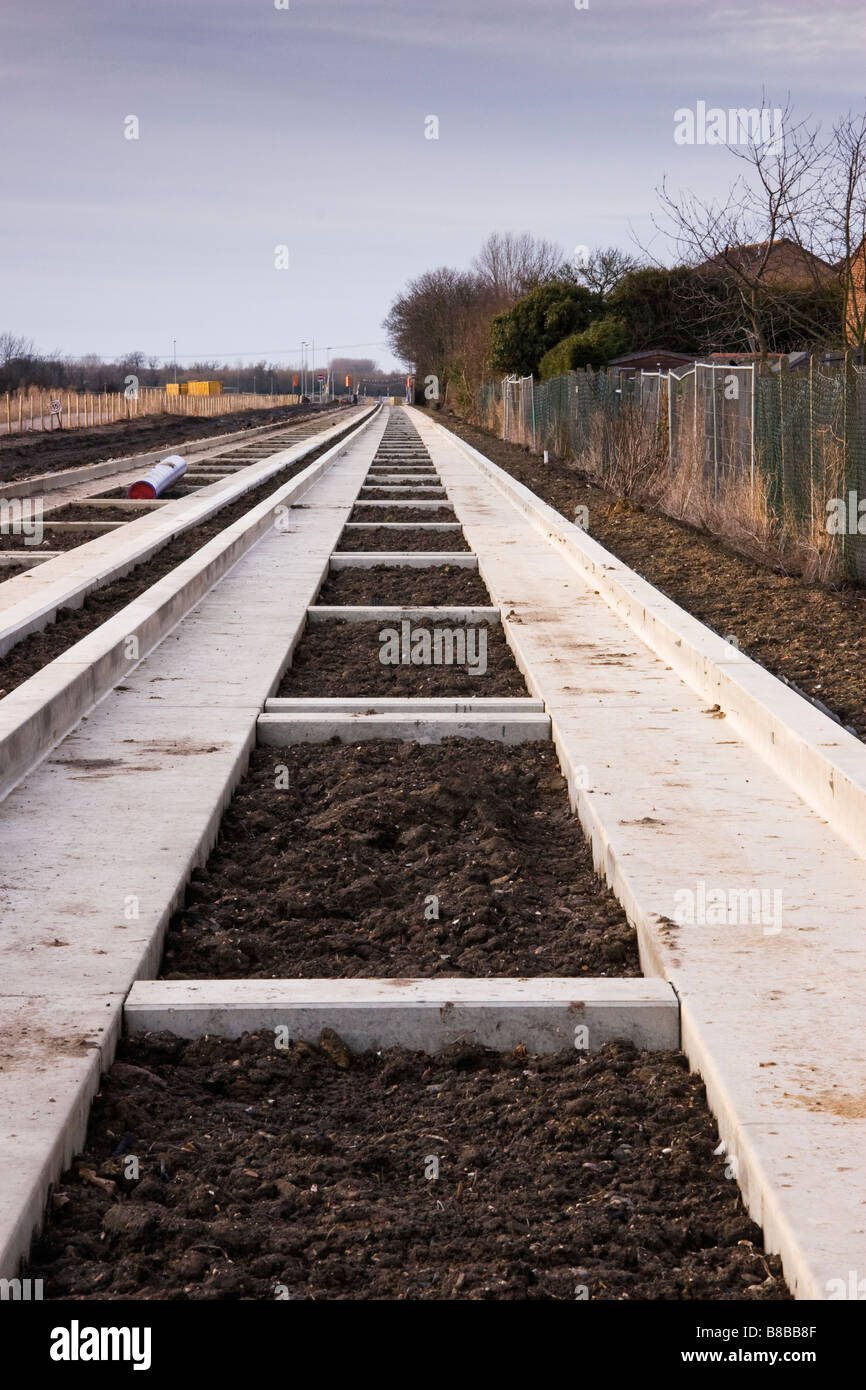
<point x="97" y="844"/>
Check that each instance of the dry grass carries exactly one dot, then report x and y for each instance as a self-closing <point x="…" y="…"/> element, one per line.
<point x="627" y="453"/>
<point x="629" y="456"/>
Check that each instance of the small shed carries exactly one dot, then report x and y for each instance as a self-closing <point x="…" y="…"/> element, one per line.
<point x="650" y="360"/>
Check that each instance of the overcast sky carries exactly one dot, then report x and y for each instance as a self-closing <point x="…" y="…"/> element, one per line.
<point x="305" y="127"/>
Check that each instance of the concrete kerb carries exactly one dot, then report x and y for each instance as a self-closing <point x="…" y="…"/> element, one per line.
<point x="284" y="730"/>
<point x="819" y="760"/>
<point x="18" y="559"/>
<point x="399" y="704"/>
<point x="30" y="601"/>
<point x="42" y="710"/>
<point x="320" y="613"/>
<point x="545" y="1015"/>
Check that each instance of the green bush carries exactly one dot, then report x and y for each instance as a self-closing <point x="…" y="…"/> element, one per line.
<point x="594" y="347"/>
<point x="520" y="338"/>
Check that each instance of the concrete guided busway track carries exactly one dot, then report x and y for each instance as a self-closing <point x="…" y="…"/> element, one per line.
<point x="678" y="800"/>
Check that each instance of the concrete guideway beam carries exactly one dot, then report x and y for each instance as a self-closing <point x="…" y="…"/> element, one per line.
<point x="283" y="730"/>
<point x="545" y="1015"/>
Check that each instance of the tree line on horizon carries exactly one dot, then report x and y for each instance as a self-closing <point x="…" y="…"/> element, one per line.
<point x="22" y="367"/>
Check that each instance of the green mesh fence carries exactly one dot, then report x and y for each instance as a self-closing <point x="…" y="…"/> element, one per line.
<point x="802" y="435"/>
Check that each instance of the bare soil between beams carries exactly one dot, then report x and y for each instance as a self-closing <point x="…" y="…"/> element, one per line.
<point x="53" y="539"/>
<point x="399" y="494"/>
<point x="23" y="455"/>
<point x="810" y="634"/>
<point x="401" y="540"/>
<point x="403" y="514"/>
<point x="71" y="624"/>
<point x="267" y="1173"/>
<point x="342" y="658"/>
<point x="79" y="511"/>
<point x="436" y="586"/>
<point x="332" y="876"/>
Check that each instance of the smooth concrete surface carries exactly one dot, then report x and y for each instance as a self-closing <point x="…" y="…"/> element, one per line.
<point x="678" y="805"/>
<point x="97" y="844"/>
<point x="320" y="613"/>
<point x="283" y="729"/>
<point x="545" y="1015"/>
<point x="24" y="559"/>
<point x="398" y="704"/>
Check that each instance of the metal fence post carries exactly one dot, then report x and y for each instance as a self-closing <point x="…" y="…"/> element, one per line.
<point x="670" y="423"/>
<point x="534" y="430"/>
<point x="715" y="437"/>
<point x="753" y="421"/>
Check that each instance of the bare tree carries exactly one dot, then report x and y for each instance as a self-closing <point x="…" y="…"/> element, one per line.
<point x="604" y="267"/>
<point x="833" y="223"/>
<point x="12" y="347"/>
<point x="756" y="238"/>
<point x="353" y="367"/>
<point x="513" y="263"/>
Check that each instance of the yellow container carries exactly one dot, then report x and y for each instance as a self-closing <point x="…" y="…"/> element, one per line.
<point x="194" y="388"/>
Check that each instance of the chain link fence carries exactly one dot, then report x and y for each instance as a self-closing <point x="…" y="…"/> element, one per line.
<point x="786" y="449"/>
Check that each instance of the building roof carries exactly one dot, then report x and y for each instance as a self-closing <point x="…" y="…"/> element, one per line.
<point x="667" y="356"/>
<point x="787" y="263"/>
